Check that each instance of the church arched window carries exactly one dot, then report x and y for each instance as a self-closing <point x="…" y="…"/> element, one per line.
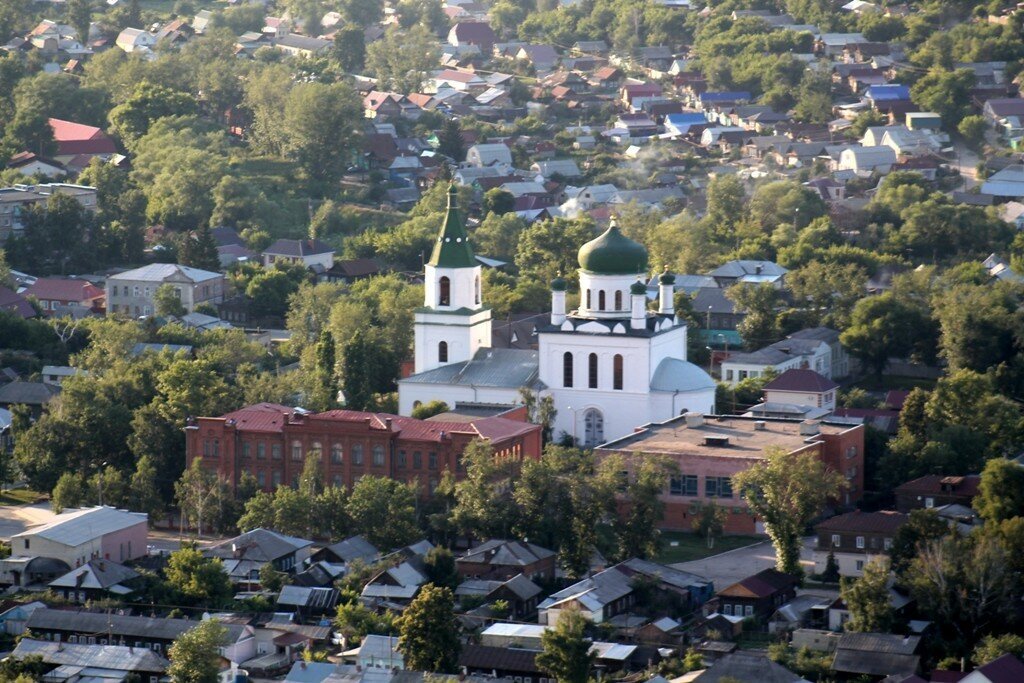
<point x="617" y="371"/>
<point x="478" y="290"/>
<point x="592" y="370"/>
<point x="567" y="369"/>
<point x="600" y="300"/>
<point x="442" y="352"/>
<point x="588" y="300"/>
<point x="444" y="286"/>
<point x="618" y="300"/>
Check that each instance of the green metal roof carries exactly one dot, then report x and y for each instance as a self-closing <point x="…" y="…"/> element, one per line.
<point x="613" y="254"/>
<point x="452" y="248"/>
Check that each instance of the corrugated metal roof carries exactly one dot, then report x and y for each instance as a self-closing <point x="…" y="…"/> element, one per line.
<point x="506" y="368"/>
<point x="75" y="527"/>
<point x="116" y="657"/>
<point x="158" y="272"/>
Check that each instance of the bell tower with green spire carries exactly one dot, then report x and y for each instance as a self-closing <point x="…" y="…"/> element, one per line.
<point x="453" y="322"/>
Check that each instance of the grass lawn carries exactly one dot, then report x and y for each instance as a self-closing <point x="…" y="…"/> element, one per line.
<point x="19" y="497"/>
<point x="887" y="382"/>
<point x="692" y="547"/>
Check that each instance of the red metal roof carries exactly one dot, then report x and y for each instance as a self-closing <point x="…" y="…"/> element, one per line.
<point x="78" y="138"/>
<point x="881" y="522"/>
<point x="62" y="289"/>
<point x="933" y="484"/>
<point x="763" y="584"/>
<point x="801" y="379"/>
<point x="262" y="417"/>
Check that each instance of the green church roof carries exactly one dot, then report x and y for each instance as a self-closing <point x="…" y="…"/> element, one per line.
<point x="452" y="248"/>
<point x="613" y="254"/>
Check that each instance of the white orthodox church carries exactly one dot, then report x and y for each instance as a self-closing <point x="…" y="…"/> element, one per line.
<point x="610" y="366"/>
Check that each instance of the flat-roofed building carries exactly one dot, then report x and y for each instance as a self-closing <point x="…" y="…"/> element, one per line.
<point x="711" y="450"/>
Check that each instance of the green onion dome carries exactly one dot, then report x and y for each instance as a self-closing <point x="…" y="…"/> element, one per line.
<point x="613" y="254"/>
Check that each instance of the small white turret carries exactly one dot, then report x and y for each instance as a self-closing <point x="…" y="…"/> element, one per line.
<point x="638" y="305"/>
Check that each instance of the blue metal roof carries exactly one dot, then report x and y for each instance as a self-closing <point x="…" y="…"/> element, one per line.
<point x="888" y="93"/>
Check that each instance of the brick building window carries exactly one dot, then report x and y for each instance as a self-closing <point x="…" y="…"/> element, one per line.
<point x="432" y="460"/>
<point x="337" y="454"/>
<point x="245" y="449"/>
<point x="417" y="460"/>
<point x="357" y="454"/>
<point x="296" y="450"/>
<point x="717" y="487"/>
<point x="275" y="451"/>
<point x="261" y="450"/>
<point x="318" y="450"/>
<point x="378" y="456"/>
<point x="401" y="460"/>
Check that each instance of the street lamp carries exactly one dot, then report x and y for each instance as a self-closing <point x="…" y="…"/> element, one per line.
<point x="711" y="358"/>
<point x="570" y="408"/>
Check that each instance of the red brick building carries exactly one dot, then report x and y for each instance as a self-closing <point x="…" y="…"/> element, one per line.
<point x="271" y="442"/>
<point x="711" y="450"/>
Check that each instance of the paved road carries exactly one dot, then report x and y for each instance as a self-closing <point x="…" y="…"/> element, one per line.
<point x="734" y="565"/>
<point x="15" y="519"/>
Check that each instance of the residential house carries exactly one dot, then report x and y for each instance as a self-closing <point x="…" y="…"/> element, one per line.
<point x="816" y="348"/>
<point x="1006" y="115"/>
<point x="460" y="81"/>
<point x="489" y="154"/>
<point x="540" y="57"/>
<point x="378" y="652"/>
<point x="355" y="549"/>
<point x="866" y="160"/>
<point x="936" y="490"/>
<point x="802" y="387"/>
<point x="476" y="33"/>
<point x="82" y="661"/>
<point x="34" y="395"/>
<point x="612" y="592"/>
<point x="710" y="451"/>
<point x="308" y="601"/>
<point x="889" y="98"/>
<point x="309" y="253"/>
<point x="16" y="304"/>
<point x="834" y="44"/>
<point x="95" y="580"/>
<point x="66" y="296"/>
<point x="272" y="441"/>
<point x="632" y="95"/>
<point x="751" y="272"/>
<point x="140" y="633"/>
<point x="564" y="168"/>
<point x="31" y="164"/>
<point x="1006" y="184"/>
<point x="78" y="144"/>
<point x="135" y="40"/>
<point x="756" y="596"/>
<point x="498" y="559"/>
<point x="302" y="46"/>
<point x="15" y="200"/>
<point x="56" y="374"/>
<point x="519" y="592"/>
<point x="244" y="555"/>
<point x="876" y="654"/>
<point x="132" y="292"/>
<point x="14" y="615"/>
<point x="855" y="538"/>
<point x="77" y="536"/>
<point x="745" y="666"/>
<point x="1005" y="669"/>
<point x="396" y="585"/>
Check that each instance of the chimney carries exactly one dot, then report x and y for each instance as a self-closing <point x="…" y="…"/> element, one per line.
<point x="694" y="420"/>
<point x="760" y="425"/>
<point x="810" y="428"/>
<point x="387" y="423"/>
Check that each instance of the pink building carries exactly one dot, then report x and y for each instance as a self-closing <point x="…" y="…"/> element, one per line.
<point x="77" y="536"/>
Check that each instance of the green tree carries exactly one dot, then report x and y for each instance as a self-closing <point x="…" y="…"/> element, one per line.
<point x="167" y="300"/>
<point x="1001" y="491"/>
<point x="787" y="491"/>
<point x="376" y="498"/>
<point x="71" y="491"/>
<point x="325" y="392"/>
<point x="271" y="579"/>
<point x="198" y="493"/>
<point x="497" y="201"/>
<point x="258" y="513"/>
<point x="428" y="633"/>
<point x="637" y="530"/>
<point x="401" y="59"/>
<point x="440" y="568"/>
<point x="149" y="102"/>
<point x="709" y="522"/>
<point x="759" y="303"/>
<point x="143" y="491"/>
<point x="882" y="327"/>
<point x="868" y="599"/>
<point x="79" y="14"/>
<point x="565" y="649"/>
<point x="350" y="48"/>
<point x="547" y="248"/>
<point x="484" y="507"/>
<point x="195" y="655"/>
<point x="972" y="128"/>
<point x="322" y="136"/>
<point x="922" y="526"/>
<point x="199" y="580"/>
<point x="995" y="646"/>
<point x="355" y="621"/>
<point x="946" y="93"/>
<point x="450" y="142"/>
<point x="200" y="251"/>
<point x="430" y="409"/>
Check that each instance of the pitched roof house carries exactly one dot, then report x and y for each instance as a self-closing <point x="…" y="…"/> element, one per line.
<point x="66" y="295"/>
<point x="505" y="559"/>
<point x="476" y="33"/>
<point x="934" y="490"/>
<point x="757" y="596"/>
<point x="244" y="555"/>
